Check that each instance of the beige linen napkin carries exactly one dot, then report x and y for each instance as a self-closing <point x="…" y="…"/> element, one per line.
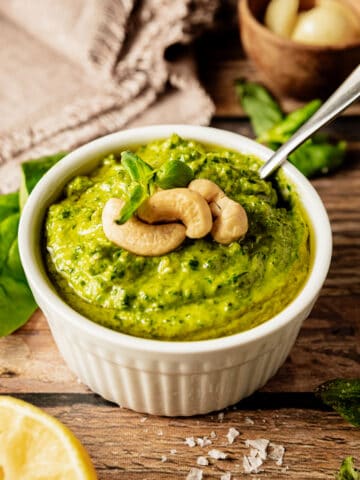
<point x="73" y="70"/>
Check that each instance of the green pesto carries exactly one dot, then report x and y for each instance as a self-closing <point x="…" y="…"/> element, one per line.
<point x="203" y="289"/>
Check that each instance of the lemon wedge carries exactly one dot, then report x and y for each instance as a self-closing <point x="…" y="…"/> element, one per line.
<point x="36" y="446"/>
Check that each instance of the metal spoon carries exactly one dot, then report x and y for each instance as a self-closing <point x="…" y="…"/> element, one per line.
<point x="345" y="95"/>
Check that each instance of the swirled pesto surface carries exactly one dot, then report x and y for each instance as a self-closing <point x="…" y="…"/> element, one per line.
<point x="203" y="289"/>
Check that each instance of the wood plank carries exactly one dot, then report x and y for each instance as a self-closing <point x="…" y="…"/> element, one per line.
<point x="221" y="61"/>
<point x="133" y="446"/>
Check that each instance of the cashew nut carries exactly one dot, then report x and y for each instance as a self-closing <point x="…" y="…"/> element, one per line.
<point x="207" y="189"/>
<point x="138" y="237"/>
<point x="231" y="223"/>
<point x="231" y="220"/>
<point x="179" y="204"/>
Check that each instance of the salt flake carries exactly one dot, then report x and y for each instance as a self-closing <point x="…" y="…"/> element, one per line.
<point x="232" y="434"/>
<point x="195" y="474"/>
<point x="202" y="461"/>
<point x="276" y="452"/>
<point x="217" y="454"/>
<point x="248" y="421"/>
<point x="203" y="442"/>
<point x="190" y="441"/>
<point x="259" y="444"/>
<point x="252" y="464"/>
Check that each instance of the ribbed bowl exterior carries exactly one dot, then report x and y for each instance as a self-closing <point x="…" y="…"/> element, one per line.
<point x="173" y="387"/>
<point x="168" y="378"/>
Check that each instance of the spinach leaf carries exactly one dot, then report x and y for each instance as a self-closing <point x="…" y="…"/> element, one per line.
<point x="32" y="171"/>
<point x="16" y="300"/>
<point x="263" y="110"/>
<point x="343" y="395"/>
<point x="283" y="130"/>
<point x="8" y="204"/>
<point x="314" y="157"/>
<point x="317" y="156"/>
<point x="348" y="471"/>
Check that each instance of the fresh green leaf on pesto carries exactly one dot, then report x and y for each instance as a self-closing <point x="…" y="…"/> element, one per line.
<point x="137" y="195"/>
<point x="348" y="471"/>
<point x="343" y="395"/>
<point x="138" y="170"/>
<point x="173" y="174"/>
<point x="144" y="180"/>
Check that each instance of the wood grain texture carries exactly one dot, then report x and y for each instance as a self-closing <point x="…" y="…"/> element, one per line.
<point x="127" y="445"/>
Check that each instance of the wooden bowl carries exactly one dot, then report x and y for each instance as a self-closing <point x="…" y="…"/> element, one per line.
<point x="292" y="68"/>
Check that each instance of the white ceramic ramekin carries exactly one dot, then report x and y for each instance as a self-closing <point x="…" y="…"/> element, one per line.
<point x="168" y="378"/>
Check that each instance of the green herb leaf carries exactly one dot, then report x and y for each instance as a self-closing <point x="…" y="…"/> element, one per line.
<point x="314" y="158"/>
<point x="135" y="166"/>
<point x="282" y="131"/>
<point x="137" y="195"/>
<point x="263" y="110"/>
<point x="343" y="395"/>
<point x="32" y="171"/>
<point x="9" y="204"/>
<point x="16" y="300"/>
<point x="348" y="471"/>
<point x="174" y="173"/>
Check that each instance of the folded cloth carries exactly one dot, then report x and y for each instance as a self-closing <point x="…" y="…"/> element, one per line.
<point x="73" y="70"/>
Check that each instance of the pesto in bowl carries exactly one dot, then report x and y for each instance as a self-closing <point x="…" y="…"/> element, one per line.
<point x="203" y="289"/>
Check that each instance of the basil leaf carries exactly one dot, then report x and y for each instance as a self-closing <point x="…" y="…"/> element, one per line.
<point x="348" y="471"/>
<point x="138" y="193"/>
<point x="32" y="171"/>
<point x="314" y="158"/>
<point x="16" y="300"/>
<point x="282" y="131"/>
<point x="138" y="170"/>
<point x="174" y="173"/>
<point x="16" y="304"/>
<point x="343" y="395"/>
<point x="9" y="204"/>
<point x="259" y="105"/>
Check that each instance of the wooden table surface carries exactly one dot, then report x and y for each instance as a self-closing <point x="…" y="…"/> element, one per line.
<point x="127" y="445"/>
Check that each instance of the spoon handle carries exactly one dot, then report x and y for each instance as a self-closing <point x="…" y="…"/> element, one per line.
<point x="345" y="95"/>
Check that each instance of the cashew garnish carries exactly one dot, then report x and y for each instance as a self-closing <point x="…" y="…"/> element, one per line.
<point x="178" y="204"/>
<point x="138" y="237"/>
<point x="231" y="221"/>
<point x="207" y="189"/>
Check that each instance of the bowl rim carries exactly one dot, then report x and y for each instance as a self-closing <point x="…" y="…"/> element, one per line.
<point x="245" y="12"/>
<point x="34" y="212"/>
